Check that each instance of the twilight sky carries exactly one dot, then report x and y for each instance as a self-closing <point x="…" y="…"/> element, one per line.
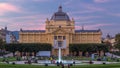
<point x="31" y="14"/>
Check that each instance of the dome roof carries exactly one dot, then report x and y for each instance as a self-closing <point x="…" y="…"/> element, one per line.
<point x="60" y="15"/>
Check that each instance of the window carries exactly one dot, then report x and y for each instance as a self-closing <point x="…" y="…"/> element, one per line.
<point x="55" y="37"/>
<point x="59" y="43"/>
<point x="64" y="37"/>
<point x="59" y="26"/>
<point x="59" y="37"/>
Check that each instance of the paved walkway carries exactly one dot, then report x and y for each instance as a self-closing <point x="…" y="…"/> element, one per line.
<point x="76" y="62"/>
<point x="112" y="55"/>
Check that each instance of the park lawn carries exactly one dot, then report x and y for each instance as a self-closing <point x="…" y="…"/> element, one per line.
<point x="76" y="58"/>
<point x="25" y="66"/>
<point x="80" y="66"/>
<point x="9" y="59"/>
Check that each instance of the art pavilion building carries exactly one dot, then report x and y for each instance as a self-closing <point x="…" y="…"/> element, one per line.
<point x="60" y="31"/>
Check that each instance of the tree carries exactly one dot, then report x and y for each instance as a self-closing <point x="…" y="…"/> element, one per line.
<point x="117" y="39"/>
<point x="28" y="47"/>
<point x="1" y="44"/>
<point x="2" y="52"/>
<point x="88" y="47"/>
<point x="12" y="48"/>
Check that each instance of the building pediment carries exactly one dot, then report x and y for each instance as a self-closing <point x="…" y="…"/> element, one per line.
<point x="59" y="31"/>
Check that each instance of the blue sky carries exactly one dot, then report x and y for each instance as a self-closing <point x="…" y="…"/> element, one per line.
<point x="31" y="14"/>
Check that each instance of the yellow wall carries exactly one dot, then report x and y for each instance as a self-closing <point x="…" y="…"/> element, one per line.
<point x="87" y="37"/>
<point x="60" y="28"/>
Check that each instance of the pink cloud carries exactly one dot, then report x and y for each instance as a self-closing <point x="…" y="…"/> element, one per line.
<point x="4" y="20"/>
<point x="25" y="26"/>
<point x="115" y="14"/>
<point x="21" y="1"/>
<point x="34" y="27"/>
<point x="94" y="26"/>
<point x="82" y="11"/>
<point x="78" y="27"/>
<point x="7" y="7"/>
<point x="36" y="22"/>
<point x="41" y="17"/>
<point x="101" y="1"/>
<point x="85" y="17"/>
<point x="42" y="0"/>
<point x="93" y="8"/>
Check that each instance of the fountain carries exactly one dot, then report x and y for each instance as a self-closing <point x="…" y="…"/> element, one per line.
<point x="59" y="55"/>
<point x="60" y="46"/>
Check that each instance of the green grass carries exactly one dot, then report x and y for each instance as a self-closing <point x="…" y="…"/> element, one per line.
<point x="9" y="58"/>
<point x="64" y="58"/>
<point x="76" y="58"/>
<point x="80" y="66"/>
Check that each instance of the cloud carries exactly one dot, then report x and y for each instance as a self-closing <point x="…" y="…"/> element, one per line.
<point x="115" y="14"/>
<point x="7" y="7"/>
<point x="4" y="20"/>
<point x="83" y="8"/>
<point x="93" y="8"/>
<point x="35" y="16"/>
<point x="26" y="21"/>
<point x="82" y="12"/>
<point x="24" y="25"/>
<point x="93" y="26"/>
<point x="101" y="1"/>
<point x="30" y="22"/>
<point x="67" y="2"/>
<point x="26" y="1"/>
<point x="41" y="0"/>
<point x="37" y="27"/>
<point x="85" y="17"/>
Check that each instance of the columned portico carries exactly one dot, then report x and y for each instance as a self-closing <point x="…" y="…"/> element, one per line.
<point x="60" y="41"/>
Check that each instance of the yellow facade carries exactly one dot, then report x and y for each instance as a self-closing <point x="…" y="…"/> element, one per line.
<point x="60" y="31"/>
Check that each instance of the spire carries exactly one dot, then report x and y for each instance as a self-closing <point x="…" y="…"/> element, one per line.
<point x="82" y="27"/>
<point x="5" y="27"/>
<point x="21" y="29"/>
<point x="99" y="29"/>
<point x="47" y="19"/>
<point x="108" y="36"/>
<point x="60" y="9"/>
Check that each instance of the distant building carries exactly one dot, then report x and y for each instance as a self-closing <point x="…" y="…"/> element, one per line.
<point x="60" y="31"/>
<point x="7" y="36"/>
<point x="111" y="40"/>
<point x="3" y="33"/>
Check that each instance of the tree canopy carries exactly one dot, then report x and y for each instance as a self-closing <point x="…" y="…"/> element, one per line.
<point x="1" y="43"/>
<point x="28" y="47"/>
<point x="117" y="39"/>
<point x="88" y="47"/>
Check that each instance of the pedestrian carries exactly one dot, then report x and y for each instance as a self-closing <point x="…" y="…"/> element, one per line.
<point x="68" y="65"/>
<point x="62" y="65"/>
